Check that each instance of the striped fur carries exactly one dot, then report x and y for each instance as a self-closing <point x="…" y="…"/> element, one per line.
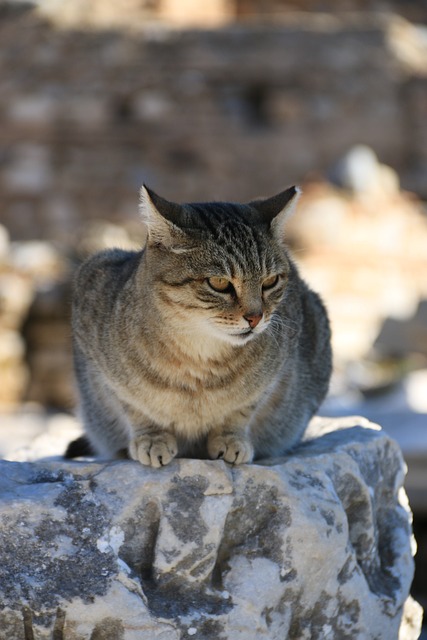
<point x="168" y="365"/>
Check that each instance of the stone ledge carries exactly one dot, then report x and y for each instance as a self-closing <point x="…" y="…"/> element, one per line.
<point x="314" y="545"/>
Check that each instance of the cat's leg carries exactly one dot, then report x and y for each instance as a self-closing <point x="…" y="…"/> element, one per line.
<point x="153" y="446"/>
<point x="232" y="442"/>
<point x="102" y="414"/>
<point x="230" y="446"/>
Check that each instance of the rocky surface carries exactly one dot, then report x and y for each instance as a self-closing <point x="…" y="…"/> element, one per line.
<point x="315" y="545"/>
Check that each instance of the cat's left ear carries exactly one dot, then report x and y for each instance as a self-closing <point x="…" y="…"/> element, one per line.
<point x="278" y="209"/>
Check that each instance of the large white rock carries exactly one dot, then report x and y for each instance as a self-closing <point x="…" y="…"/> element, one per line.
<point x="316" y="545"/>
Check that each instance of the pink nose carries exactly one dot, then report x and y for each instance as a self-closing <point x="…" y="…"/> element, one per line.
<point x="253" y="319"/>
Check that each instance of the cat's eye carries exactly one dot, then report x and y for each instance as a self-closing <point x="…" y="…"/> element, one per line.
<point x="220" y="284"/>
<point x="270" y="282"/>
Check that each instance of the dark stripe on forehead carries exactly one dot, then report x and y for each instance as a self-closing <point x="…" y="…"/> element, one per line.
<point x="205" y="217"/>
<point x="241" y="237"/>
<point x="242" y="246"/>
<point x="212" y="215"/>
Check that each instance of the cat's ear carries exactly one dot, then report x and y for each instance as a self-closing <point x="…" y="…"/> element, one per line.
<point x="160" y="217"/>
<point x="276" y="210"/>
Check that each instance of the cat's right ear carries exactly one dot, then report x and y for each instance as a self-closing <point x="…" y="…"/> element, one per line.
<point x="160" y="217"/>
<point x="279" y="207"/>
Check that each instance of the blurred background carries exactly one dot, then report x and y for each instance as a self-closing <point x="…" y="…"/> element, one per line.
<point x="228" y="100"/>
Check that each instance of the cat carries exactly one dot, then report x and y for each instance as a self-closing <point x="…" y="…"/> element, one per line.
<point x="206" y="343"/>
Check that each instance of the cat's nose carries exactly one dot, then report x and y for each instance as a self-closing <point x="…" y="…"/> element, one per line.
<point x="253" y="319"/>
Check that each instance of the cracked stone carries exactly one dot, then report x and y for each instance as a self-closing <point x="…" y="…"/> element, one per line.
<point x="316" y="544"/>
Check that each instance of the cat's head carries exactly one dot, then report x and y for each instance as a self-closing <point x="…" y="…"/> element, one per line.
<point x="218" y="268"/>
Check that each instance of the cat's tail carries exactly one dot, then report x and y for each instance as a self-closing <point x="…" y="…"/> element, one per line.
<point x="79" y="448"/>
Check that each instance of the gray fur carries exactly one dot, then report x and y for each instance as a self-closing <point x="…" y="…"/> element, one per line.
<point x="165" y="364"/>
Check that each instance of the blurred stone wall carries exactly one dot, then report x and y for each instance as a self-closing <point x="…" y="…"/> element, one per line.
<point x="412" y="9"/>
<point x="86" y="115"/>
<point x="35" y="334"/>
<point x="213" y="12"/>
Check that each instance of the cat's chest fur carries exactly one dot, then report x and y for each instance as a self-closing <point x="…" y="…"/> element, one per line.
<point x="185" y="393"/>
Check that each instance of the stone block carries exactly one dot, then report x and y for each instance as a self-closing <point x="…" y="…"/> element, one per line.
<point x="311" y="546"/>
<point x="30" y="171"/>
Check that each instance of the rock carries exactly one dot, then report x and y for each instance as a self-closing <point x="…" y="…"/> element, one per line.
<point x="213" y="14"/>
<point x="35" y="359"/>
<point x="400" y="406"/>
<point x="4" y="244"/>
<point x="38" y="259"/>
<point x="100" y="235"/>
<point x="13" y="370"/>
<point x="314" y="545"/>
<point x="38" y="111"/>
<point x="48" y="340"/>
<point x="37" y="433"/>
<point x="399" y="337"/>
<point x="360" y="172"/>
<point x="16" y="295"/>
<point x="26" y="424"/>
<point x="366" y="256"/>
<point x="408" y="42"/>
<point x="30" y="171"/>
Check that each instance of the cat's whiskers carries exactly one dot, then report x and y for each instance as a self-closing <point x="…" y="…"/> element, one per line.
<point x="273" y="331"/>
<point x="277" y="326"/>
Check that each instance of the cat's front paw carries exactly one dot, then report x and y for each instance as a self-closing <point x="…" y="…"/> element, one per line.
<point x="231" y="448"/>
<point x="154" y="450"/>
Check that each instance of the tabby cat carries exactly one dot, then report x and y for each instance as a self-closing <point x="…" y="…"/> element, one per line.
<point x="206" y="343"/>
